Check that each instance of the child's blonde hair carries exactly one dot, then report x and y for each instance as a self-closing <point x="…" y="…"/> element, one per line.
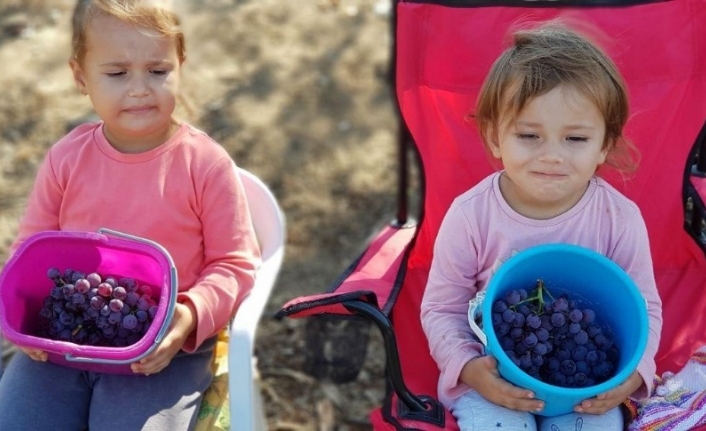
<point x="155" y="15"/>
<point x="542" y="59"/>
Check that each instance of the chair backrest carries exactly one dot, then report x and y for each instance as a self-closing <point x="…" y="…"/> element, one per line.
<point x="268" y="219"/>
<point x="444" y="49"/>
<point x="269" y="224"/>
<point x="267" y="216"/>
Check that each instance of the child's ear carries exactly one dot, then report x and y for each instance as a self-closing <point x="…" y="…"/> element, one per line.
<point x="79" y="77"/>
<point x="493" y="144"/>
<point x="604" y="151"/>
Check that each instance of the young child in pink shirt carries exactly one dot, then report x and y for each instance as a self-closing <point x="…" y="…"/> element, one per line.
<point x="140" y="171"/>
<point x="552" y="110"/>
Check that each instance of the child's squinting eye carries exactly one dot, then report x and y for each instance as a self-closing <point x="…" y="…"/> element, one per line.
<point x="577" y="139"/>
<point x="159" y="72"/>
<point x="115" y="74"/>
<point x="526" y="135"/>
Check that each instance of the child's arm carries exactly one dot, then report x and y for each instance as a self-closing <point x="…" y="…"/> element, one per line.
<point x="43" y="204"/>
<point x="632" y="253"/>
<point x="231" y="254"/>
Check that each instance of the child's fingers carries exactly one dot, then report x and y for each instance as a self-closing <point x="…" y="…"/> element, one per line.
<point x="523" y="403"/>
<point x="35" y="354"/>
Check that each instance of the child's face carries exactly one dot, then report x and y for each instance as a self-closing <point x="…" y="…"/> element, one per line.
<point x="131" y="76"/>
<point x="550" y="152"/>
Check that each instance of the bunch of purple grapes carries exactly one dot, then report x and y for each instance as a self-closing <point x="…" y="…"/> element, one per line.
<point x="554" y="339"/>
<point x="94" y="310"/>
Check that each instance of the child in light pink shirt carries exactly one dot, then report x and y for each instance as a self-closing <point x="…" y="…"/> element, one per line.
<point x="552" y="110"/>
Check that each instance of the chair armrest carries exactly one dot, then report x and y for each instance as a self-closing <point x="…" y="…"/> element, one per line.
<point x="374" y="277"/>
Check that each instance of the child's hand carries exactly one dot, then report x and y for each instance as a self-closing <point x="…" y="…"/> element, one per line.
<point x="36" y="354"/>
<point x="482" y="375"/>
<point x="611" y="399"/>
<point x="183" y="323"/>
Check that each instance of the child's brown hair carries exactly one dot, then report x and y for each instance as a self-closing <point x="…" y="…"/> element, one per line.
<point x="543" y="58"/>
<point x="155" y="15"/>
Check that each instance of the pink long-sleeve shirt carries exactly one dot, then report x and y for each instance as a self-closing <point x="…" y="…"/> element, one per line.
<point x="480" y="231"/>
<point x="183" y="194"/>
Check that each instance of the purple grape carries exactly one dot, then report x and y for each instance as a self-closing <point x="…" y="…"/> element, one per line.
<point x="540" y="349"/>
<point x="530" y="340"/>
<point x="78" y="298"/>
<point x="558" y="320"/>
<point x="502" y="329"/>
<point x="94" y="279"/>
<point x="66" y="318"/>
<point x="115" y="317"/>
<point x="568" y="367"/>
<point x="575" y="315"/>
<point x="82" y="285"/>
<point x="499" y="306"/>
<point x="560" y="304"/>
<point x="603" y="342"/>
<point x="130" y="321"/>
<point x="119" y="292"/>
<point x="105" y="290"/>
<point x="508" y="315"/>
<point x="519" y="320"/>
<point x="579" y="353"/>
<point x="581" y="337"/>
<point x="141" y="315"/>
<point x="97" y="302"/>
<point x="115" y="305"/>
<point x="131" y="298"/>
<point x="77" y="275"/>
<point x="57" y="292"/>
<point x="589" y="316"/>
<point x="513" y="297"/>
<point x="533" y="321"/>
<point x="53" y="273"/>
<point x="68" y="290"/>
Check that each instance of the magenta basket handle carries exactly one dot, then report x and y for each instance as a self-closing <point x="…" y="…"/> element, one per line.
<point x="170" y="306"/>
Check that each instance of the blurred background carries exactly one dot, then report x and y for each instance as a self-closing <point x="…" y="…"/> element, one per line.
<point x="297" y="92"/>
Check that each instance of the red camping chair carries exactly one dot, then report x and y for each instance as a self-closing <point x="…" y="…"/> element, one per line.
<point x="443" y="50"/>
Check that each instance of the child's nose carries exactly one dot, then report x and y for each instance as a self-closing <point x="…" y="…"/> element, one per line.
<point x="552" y="151"/>
<point x="138" y="87"/>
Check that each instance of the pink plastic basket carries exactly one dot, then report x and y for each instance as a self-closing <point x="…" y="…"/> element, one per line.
<point x="24" y="285"/>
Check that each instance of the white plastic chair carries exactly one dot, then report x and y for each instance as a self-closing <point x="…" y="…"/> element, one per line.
<point x="246" y="410"/>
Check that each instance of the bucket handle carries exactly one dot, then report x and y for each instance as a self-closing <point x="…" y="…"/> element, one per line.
<point x="473" y="313"/>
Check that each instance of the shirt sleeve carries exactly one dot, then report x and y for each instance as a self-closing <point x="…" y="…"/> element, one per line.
<point x="43" y="204"/>
<point x="232" y="254"/>
<point x="632" y="253"/>
<point x="444" y="309"/>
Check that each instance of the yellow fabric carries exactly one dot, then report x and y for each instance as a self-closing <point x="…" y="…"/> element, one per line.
<point x="214" y="414"/>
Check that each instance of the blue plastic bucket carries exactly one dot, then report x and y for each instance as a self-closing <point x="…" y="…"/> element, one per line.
<point x="592" y="280"/>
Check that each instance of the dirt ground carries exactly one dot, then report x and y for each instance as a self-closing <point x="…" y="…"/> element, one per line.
<point x="296" y="91"/>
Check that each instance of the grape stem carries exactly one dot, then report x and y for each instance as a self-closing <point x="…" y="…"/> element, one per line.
<point x="538" y="296"/>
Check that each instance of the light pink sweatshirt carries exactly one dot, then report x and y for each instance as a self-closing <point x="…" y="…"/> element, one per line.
<point x="183" y="194"/>
<point x="480" y="231"/>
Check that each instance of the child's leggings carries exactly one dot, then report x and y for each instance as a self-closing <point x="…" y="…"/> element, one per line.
<point x="43" y="396"/>
<point x="475" y="413"/>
